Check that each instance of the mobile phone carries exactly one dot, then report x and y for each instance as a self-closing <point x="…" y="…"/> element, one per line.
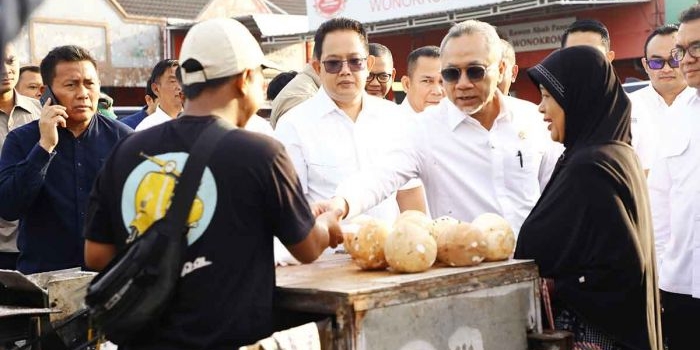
<point x="46" y="95"/>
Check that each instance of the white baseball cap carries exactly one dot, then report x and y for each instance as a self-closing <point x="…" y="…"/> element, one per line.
<point x="223" y="47"/>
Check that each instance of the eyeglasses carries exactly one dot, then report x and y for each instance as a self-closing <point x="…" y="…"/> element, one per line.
<point x="659" y="63"/>
<point x="335" y="66"/>
<point x="679" y="52"/>
<point x="381" y="77"/>
<point x="474" y="73"/>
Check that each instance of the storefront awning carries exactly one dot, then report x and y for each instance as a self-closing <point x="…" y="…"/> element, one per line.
<point x="268" y="25"/>
<point x="393" y="15"/>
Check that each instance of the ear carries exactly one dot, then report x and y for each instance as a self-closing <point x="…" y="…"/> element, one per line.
<point x="156" y="89"/>
<point x="515" y="73"/>
<point x="317" y="66"/>
<point x="610" y="55"/>
<point x="645" y="65"/>
<point x="501" y="70"/>
<point x="406" y="83"/>
<point x="393" y="74"/>
<point x="241" y="84"/>
<point x="370" y="62"/>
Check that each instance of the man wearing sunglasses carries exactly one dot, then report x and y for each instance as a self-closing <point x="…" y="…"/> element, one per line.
<point x="474" y="152"/>
<point x="667" y="88"/>
<point x="674" y="191"/>
<point x="382" y="73"/>
<point x="341" y="129"/>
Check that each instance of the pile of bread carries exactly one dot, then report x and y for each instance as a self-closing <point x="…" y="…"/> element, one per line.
<point x="415" y="242"/>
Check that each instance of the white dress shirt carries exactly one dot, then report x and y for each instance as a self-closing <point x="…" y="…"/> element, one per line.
<point x="674" y="190"/>
<point x="649" y="113"/>
<point x="326" y="146"/>
<point x="158" y="117"/>
<point x="466" y="169"/>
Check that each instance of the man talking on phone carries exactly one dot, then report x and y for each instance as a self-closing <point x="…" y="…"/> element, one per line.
<point x="47" y="167"/>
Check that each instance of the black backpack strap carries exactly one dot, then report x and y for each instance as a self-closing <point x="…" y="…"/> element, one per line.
<point x="191" y="175"/>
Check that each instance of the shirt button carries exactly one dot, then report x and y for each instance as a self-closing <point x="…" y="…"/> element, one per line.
<point x="80" y="164"/>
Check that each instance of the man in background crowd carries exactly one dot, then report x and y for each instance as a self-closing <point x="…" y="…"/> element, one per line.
<point x="168" y="92"/>
<point x="422" y="82"/>
<point x="382" y="73"/>
<point x="30" y="82"/>
<point x="15" y="111"/>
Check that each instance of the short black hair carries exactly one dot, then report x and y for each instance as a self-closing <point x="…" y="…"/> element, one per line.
<point x="379" y="50"/>
<point x="33" y="69"/>
<point x="666" y="29"/>
<point x="588" y="25"/>
<point x="67" y="53"/>
<point x="191" y="91"/>
<point x="430" y="51"/>
<point x="337" y="24"/>
<point x="690" y="14"/>
<point x="160" y="68"/>
<point x="278" y="83"/>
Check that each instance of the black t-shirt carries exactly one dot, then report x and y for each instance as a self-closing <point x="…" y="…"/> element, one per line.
<point x="249" y="192"/>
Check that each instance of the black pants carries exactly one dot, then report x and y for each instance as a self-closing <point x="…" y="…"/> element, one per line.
<point x="8" y="261"/>
<point x="680" y="320"/>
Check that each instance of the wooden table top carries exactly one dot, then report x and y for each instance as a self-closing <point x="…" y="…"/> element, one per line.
<point x="336" y="279"/>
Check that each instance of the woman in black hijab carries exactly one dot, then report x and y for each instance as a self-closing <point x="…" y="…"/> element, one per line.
<point x="590" y="232"/>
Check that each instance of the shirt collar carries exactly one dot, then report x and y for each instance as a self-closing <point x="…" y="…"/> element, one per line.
<point x="24" y="102"/>
<point x="407" y="106"/>
<point x="326" y="106"/>
<point x="683" y="97"/>
<point x="455" y="116"/>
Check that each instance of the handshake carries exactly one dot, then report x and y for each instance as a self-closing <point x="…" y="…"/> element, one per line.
<point x="328" y="215"/>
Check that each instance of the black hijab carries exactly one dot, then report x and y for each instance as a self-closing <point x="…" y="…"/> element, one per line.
<point x="585" y="85"/>
<point x="591" y="229"/>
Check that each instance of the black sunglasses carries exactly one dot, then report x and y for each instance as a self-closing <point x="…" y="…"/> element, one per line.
<point x="381" y="77"/>
<point x="335" y="66"/>
<point x="474" y="73"/>
<point x="659" y="63"/>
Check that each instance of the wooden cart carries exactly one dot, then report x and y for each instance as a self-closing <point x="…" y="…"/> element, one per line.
<point x="490" y="306"/>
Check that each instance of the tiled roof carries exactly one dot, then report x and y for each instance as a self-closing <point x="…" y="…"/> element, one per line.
<point x="184" y="9"/>
<point x="292" y="7"/>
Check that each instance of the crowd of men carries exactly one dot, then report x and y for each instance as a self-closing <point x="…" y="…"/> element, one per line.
<point x="76" y="184"/>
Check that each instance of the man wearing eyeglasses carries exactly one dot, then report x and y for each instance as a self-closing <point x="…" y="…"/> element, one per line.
<point x="382" y="73"/>
<point x="474" y="152"/>
<point x="674" y="191"/>
<point x="341" y="129"/>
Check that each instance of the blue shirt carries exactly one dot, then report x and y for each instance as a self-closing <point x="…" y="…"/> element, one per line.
<point x="48" y="192"/>
<point x="135" y="119"/>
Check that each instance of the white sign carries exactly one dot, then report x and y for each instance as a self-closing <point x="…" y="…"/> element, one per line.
<point x="371" y="11"/>
<point x="536" y="36"/>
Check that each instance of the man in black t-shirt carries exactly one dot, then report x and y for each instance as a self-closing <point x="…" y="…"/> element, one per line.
<point x="249" y="192"/>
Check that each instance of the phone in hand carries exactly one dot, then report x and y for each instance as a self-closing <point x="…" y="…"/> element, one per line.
<point x="46" y="95"/>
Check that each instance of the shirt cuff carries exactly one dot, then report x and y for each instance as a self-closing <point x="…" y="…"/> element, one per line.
<point x="40" y="159"/>
<point x="350" y="196"/>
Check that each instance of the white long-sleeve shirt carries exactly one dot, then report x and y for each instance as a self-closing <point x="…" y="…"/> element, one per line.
<point x="326" y="146"/>
<point x="466" y="169"/>
<point x="674" y="189"/>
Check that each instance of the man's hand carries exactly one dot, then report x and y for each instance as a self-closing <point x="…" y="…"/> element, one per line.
<point x="52" y="116"/>
<point x="337" y="204"/>
<point x="330" y="221"/>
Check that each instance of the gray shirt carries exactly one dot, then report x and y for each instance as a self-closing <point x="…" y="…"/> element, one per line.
<point x="25" y="110"/>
